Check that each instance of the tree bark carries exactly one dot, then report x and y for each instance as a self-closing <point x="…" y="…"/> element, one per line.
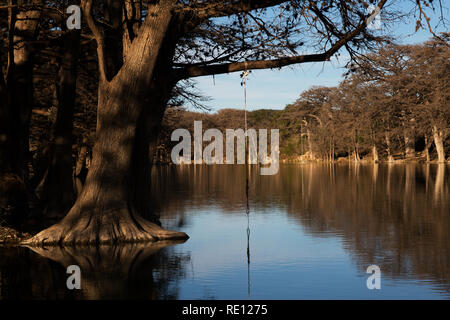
<point x="439" y="143"/>
<point x="113" y="200"/>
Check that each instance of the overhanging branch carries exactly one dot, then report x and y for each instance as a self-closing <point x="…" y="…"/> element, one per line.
<point x="197" y="71"/>
<point x="228" y="7"/>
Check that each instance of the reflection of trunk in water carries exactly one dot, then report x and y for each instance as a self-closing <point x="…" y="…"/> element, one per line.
<point x="368" y="218"/>
<point x="374" y="178"/>
<point x="125" y="271"/>
<point x="427" y="176"/>
<point x="439" y="182"/>
<point x="408" y="195"/>
<point x="388" y="182"/>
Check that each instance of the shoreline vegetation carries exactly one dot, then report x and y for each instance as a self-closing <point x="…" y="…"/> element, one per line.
<point x="10" y="236"/>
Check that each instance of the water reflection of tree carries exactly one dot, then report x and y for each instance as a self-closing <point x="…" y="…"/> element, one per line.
<point x="149" y="271"/>
<point x="392" y="215"/>
<point x="384" y="218"/>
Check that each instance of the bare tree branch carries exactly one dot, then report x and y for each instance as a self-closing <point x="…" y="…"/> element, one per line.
<point x="228" y="8"/>
<point x="98" y="33"/>
<point x="197" y="71"/>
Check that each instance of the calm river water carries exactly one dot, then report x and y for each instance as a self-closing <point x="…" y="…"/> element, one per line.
<point x="311" y="233"/>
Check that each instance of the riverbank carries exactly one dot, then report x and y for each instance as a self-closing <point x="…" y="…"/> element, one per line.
<point x="301" y="159"/>
<point x="10" y="236"/>
<point x="13" y="236"/>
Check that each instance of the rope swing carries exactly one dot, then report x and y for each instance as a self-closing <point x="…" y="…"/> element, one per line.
<point x="247" y="208"/>
<point x="244" y="84"/>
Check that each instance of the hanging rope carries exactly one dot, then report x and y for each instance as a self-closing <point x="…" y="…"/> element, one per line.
<point x="248" y="252"/>
<point x="244" y="84"/>
<point x="247" y="207"/>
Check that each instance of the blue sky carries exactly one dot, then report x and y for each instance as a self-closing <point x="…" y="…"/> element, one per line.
<point x="274" y="89"/>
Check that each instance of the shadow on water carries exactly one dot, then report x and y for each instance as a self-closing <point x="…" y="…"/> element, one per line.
<point x="145" y="271"/>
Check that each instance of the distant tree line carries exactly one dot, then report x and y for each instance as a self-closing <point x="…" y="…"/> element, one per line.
<point x="393" y="104"/>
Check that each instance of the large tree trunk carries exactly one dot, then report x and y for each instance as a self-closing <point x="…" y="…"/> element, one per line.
<point x="427" y="148"/>
<point x="390" y="158"/>
<point x="20" y="86"/>
<point x="4" y="126"/>
<point x="409" y="145"/>
<point x="15" y="111"/>
<point x="58" y="194"/>
<point x="439" y="143"/>
<point x="356" y="156"/>
<point x="114" y="197"/>
<point x="375" y="153"/>
<point x="374" y="147"/>
<point x="310" y="145"/>
<point x="439" y="182"/>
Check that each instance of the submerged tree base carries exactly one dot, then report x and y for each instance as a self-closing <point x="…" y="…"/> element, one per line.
<point x="102" y="227"/>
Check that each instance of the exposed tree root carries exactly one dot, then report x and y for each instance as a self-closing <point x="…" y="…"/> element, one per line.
<point x="102" y="226"/>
